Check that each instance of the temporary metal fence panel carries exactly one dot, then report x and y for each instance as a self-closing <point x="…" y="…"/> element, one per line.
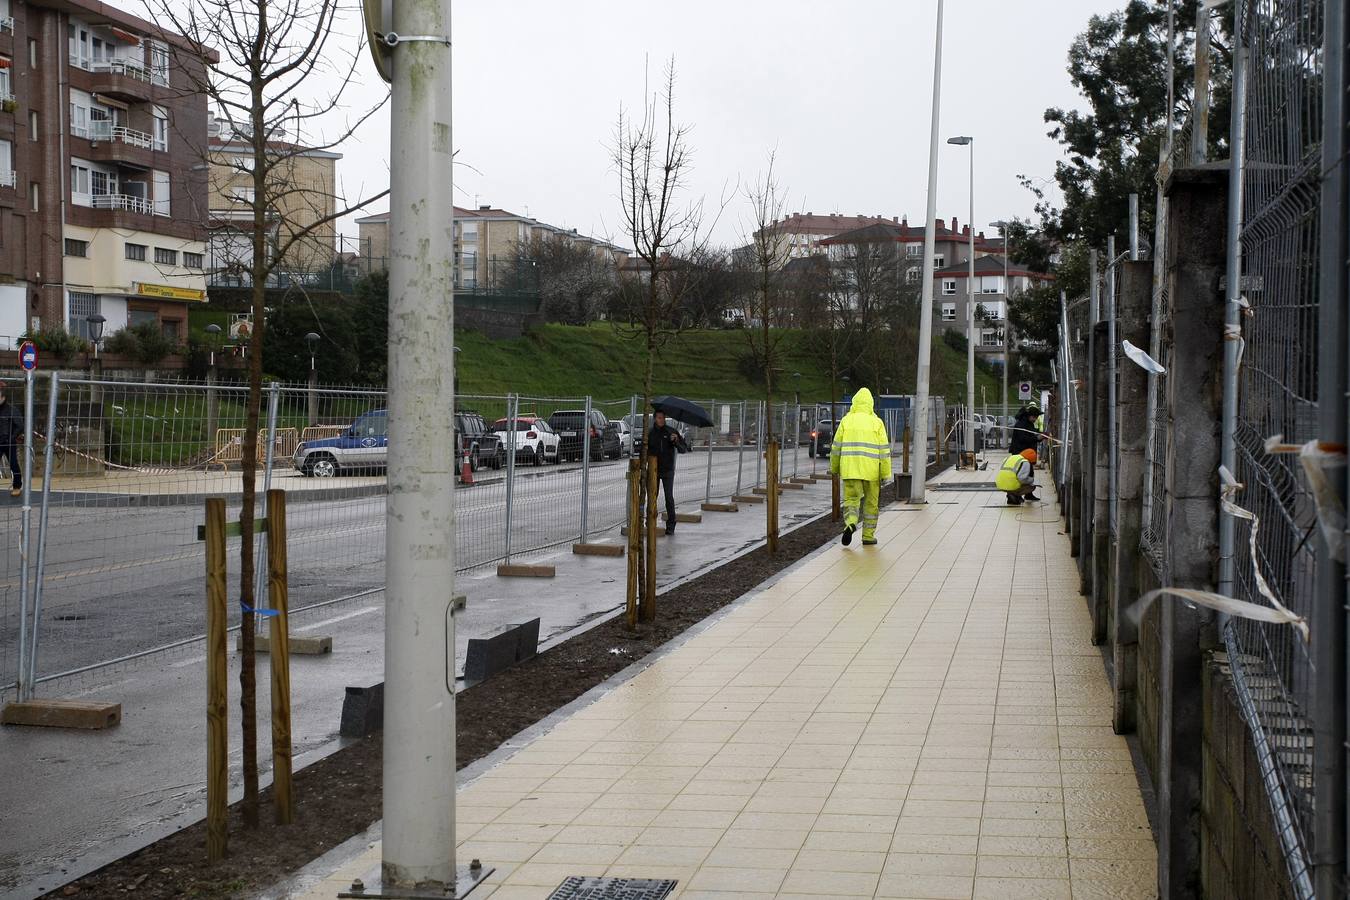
<point x="1278" y="377"/>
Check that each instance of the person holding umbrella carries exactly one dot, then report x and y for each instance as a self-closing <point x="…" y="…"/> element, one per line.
<point x="860" y="455"/>
<point x="663" y="442"/>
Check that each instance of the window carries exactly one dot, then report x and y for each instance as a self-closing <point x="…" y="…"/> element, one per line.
<point x="32" y="125"/>
<point x="949" y="312"/>
<point x="160" y="136"/>
<point x="33" y="190"/>
<point x="192" y="260"/>
<point x="79" y="183"/>
<point x="991" y="338"/>
<point x="76" y="248"/>
<point x="81" y="306"/>
<point x="166" y="257"/>
<point x="914" y="249"/>
<point x="169" y="328"/>
<point x="468" y="269"/>
<point x="141" y="316"/>
<point x="949" y="286"/>
<point x="912" y="275"/>
<point x="161" y="198"/>
<point x="102" y="183"/>
<point x="939" y="260"/>
<point x="159" y="62"/>
<point x="136" y="252"/>
<point x="243" y="194"/>
<point x="6" y="164"/>
<point x="469" y="231"/>
<point x="991" y="284"/>
<point x="5" y="92"/>
<point x="32" y="53"/>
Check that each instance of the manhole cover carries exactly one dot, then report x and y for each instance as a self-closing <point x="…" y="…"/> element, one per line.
<point x="590" y="888"/>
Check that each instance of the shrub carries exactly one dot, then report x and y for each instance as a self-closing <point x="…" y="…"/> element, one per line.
<point x="144" y="343"/>
<point x="58" y="343"/>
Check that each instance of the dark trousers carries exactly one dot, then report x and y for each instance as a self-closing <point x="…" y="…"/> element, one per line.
<point x="11" y="452"/>
<point x="667" y="487"/>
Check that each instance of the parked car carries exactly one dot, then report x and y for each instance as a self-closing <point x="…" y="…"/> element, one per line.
<point x="364" y="446"/>
<point x="570" y="425"/>
<point x="821" y="436"/>
<point x="536" y="442"/>
<point x="625" y="436"/>
<point x="485" y="447"/>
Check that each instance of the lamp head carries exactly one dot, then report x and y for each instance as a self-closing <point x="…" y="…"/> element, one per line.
<point x="961" y="140"/>
<point x="313" y="340"/>
<point x="96" y="327"/>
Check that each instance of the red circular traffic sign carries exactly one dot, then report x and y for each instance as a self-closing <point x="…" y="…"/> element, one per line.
<point x="28" y="356"/>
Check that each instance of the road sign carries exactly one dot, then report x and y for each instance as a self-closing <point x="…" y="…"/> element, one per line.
<point x="28" y="355"/>
<point x="1024" y="390"/>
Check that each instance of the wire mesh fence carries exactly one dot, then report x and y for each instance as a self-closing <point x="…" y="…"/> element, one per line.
<point x="131" y="463"/>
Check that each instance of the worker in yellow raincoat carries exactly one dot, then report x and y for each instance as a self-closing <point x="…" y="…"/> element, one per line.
<point x="860" y="454"/>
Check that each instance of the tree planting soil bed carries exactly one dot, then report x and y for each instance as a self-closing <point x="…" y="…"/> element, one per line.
<point x="339" y="796"/>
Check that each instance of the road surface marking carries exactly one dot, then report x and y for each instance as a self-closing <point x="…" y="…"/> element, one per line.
<point x="343" y="617"/>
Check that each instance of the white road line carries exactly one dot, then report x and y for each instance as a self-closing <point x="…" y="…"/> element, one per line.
<point x="344" y="616"/>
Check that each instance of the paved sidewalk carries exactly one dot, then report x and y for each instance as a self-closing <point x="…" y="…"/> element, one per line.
<point x="924" y="718"/>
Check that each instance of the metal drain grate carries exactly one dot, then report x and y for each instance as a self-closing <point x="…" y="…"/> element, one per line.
<point x="964" y="486"/>
<point x="590" y="888"/>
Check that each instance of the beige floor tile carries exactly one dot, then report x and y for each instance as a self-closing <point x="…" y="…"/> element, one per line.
<point x="767" y="838"/>
<point x="551" y="874"/>
<point x="713" y="878"/>
<point x="930" y="864"/>
<point x="848" y="841"/>
<point x="750" y="858"/>
<point x="582" y="854"/>
<point x="1023" y="867"/>
<point x="1022" y="889"/>
<point x="820" y="884"/>
<point x="655" y="855"/>
<point x="926" y="887"/>
<point x="840" y="860"/>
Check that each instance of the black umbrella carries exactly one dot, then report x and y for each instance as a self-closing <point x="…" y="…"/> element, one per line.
<point x="682" y="410"/>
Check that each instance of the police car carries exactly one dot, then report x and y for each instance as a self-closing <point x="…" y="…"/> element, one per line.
<point x="363" y="446"/>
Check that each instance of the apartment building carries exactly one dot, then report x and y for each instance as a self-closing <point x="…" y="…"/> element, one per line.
<point x="487" y="242"/>
<point x="300" y="213"/>
<point x="101" y="195"/>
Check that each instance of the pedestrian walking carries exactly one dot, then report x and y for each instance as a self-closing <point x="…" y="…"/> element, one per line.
<point x="1017" y="477"/>
<point x="664" y="442"/>
<point x="11" y="435"/>
<point x="860" y="454"/>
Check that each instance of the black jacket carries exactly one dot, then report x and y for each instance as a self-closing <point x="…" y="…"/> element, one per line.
<point x="664" y="442"/>
<point x="1025" y="435"/>
<point x="11" y="423"/>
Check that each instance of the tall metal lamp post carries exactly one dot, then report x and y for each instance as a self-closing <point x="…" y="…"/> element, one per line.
<point x="212" y="401"/>
<point x="313" y="340"/>
<point x="969" y="429"/>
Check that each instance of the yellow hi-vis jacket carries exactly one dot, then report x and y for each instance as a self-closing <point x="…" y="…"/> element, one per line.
<point x="860" y="449"/>
<point x="1016" y="472"/>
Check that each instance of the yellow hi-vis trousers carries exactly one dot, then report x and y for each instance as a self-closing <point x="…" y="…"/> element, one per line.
<point x="862" y="498"/>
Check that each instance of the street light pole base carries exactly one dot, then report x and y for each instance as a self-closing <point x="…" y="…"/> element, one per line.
<point x="372" y="886"/>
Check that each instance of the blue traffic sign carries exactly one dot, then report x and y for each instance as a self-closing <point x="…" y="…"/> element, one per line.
<point x="28" y="355"/>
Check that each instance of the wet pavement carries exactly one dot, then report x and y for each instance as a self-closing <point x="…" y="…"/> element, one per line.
<point x="73" y="801"/>
<point x="925" y="718"/>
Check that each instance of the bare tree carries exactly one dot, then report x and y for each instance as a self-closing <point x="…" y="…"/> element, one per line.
<point x="576" y="282"/>
<point x="769" y="303"/>
<point x="279" y="88"/>
<point x="652" y="158"/>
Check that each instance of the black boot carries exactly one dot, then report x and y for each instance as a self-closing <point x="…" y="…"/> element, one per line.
<point x="848" y="534"/>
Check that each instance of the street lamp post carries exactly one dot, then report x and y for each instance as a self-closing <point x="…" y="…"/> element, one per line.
<point x="917" y="485"/>
<point x="212" y="401"/>
<point x="1002" y="226"/>
<point x="313" y="340"/>
<point x="969" y="431"/>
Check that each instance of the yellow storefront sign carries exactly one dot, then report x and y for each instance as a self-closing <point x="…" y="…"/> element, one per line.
<point x="167" y="292"/>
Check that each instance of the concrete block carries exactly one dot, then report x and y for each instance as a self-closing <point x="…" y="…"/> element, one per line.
<point x="765" y="491"/>
<point x="527" y="639"/>
<point x="362" y="711"/>
<point x="791" y="486"/>
<point x="802" y="479"/>
<point x="90" y="715"/>
<point x="718" y="507"/>
<point x="598" y="549"/>
<point x="747" y="498"/>
<point x="514" y="570"/>
<point x="500" y="651"/>
<point x="693" y="518"/>
<point x="300" y="645"/>
<point x="820" y="476"/>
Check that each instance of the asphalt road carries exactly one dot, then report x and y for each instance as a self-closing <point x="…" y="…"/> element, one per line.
<point x="122" y="580"/>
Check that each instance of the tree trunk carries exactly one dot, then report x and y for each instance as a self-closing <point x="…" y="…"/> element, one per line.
<point x="647" y="567"/>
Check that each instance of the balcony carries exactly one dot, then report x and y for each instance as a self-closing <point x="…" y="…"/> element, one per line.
<point x="124" y="203"/>
<point x="124" y="78"/>
<point x="118" y="144"/>
<point x="7" y="24"/>
<point x="9" y="179"/>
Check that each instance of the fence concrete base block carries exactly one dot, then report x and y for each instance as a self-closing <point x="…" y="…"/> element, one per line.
<point x="791" y="486"/>
<point x="87" y="714"/>
<point x="802" y="479"/>
<point x="300" y="645"/>
<point x="718" y="507"/>
<point x="695" y="518"/>
<point x="512" y="570"/>
<point x="362" y="711"/>
<point x="765" y="491"/>
<point x="748" y="498"/>
<point x="819" y="477"/>
<point x="598" y="549"/>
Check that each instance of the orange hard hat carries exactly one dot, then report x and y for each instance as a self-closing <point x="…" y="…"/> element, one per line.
<point x="1029" y="455"/>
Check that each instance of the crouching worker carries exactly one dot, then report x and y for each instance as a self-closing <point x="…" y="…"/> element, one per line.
<point x="860" y="455"/>
<point x="1017" y="477"/>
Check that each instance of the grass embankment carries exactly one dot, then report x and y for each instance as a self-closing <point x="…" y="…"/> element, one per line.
<point x="567" y="361"/>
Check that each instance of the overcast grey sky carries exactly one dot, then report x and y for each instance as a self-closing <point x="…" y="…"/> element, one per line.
<point x="839" y="88"/>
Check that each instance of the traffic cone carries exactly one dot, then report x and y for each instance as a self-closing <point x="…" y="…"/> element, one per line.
<point x="465" y="470"/>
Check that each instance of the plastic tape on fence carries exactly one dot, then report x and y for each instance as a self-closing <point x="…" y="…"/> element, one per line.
<point x="1316" y="457"/>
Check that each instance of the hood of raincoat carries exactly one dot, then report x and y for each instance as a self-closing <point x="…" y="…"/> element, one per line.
<point x="862" y="402"/>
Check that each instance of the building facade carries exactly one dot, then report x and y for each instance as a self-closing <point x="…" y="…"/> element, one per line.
<point x="102" y="197"/>
<point x="301" y="205"/>
<point x="487" y="244"/>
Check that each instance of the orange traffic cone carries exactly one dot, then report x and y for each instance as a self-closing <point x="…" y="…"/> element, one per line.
<point x="465" y="470"/>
